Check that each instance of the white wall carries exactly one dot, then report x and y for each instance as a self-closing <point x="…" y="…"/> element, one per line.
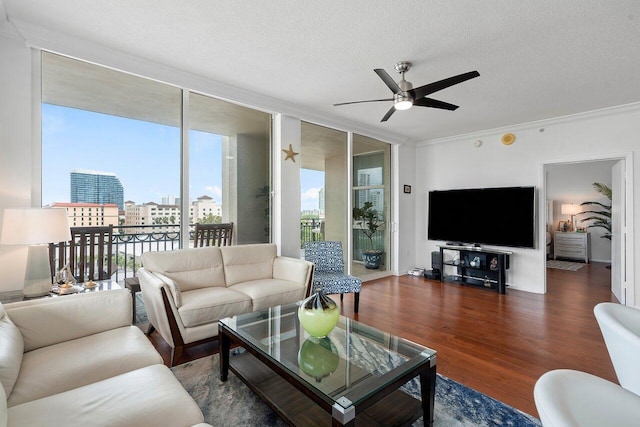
<point x="404" y="237"/>
<point x="287" y="187"/>
<point x="573" y="183"/>
<point x="16" y="155"/>
<point x="457" y="163"/>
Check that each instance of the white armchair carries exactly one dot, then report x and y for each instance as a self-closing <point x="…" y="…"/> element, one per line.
<point x="620" y="326"/>
<point x="567" y="398"/>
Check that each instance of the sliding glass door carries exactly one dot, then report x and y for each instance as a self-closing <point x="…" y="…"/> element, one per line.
<point x="323" y="178"/>
<point x="371" y="201"/>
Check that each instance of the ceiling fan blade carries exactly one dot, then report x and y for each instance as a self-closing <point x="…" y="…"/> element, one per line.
<point x="388" y="80"/>
<point x="389" y="113"/>
<point x="430" y="88"/>
<point x="434" y="103"/>
<point x="358" y="102"/>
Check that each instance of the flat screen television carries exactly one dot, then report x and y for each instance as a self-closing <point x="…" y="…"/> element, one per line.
<point x="491" y="216"/>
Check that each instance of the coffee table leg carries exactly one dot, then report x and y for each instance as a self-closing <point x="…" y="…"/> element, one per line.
<point x="428" y="390"/>
<point x="225" y="344"/>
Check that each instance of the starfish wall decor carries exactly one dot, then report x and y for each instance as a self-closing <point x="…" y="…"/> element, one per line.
<point x="290" y="154"/>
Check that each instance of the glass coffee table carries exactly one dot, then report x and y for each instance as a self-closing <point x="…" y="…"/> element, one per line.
<point x="353" y="375"/>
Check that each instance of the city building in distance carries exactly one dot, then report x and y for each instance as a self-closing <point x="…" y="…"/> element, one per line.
<point x="89" y="214"/>
<point x="89" y="186"/>
<point x="203" y="209"/>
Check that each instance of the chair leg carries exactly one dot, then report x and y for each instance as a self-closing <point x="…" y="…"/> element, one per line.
<point x="341" y="297"/>
<point x="356" y="301"/>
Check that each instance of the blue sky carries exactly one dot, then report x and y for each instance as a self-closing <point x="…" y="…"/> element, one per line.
<point x="145" y="156"/>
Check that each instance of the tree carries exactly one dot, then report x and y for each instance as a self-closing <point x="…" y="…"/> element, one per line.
<point x="368" y="219"/>
<point x="601" y="218"/>
<point x="211" y="219"/>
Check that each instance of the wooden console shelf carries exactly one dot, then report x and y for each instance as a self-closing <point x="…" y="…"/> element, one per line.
<point x="472" y="265"/>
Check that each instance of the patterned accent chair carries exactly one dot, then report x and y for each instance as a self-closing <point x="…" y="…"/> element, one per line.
<point x="329" y="273"/>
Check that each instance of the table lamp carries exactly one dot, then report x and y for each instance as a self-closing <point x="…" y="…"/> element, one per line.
<point x="570" y="209"/>
<point x="35" y="227"/>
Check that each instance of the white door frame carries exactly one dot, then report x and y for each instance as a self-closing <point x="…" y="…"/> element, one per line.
<point x="627" y="273"/>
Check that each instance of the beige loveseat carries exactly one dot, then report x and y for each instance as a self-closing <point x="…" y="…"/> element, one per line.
<point x="77" y="361"/>
<point x="187" y="291"/>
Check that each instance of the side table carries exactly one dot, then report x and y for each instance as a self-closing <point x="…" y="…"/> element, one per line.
<point x="133" y="284"/>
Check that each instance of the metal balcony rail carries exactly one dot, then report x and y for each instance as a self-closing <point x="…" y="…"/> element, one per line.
<point x="131" y="241"/>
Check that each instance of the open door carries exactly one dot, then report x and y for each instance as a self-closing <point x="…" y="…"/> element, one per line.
<point x="618" y="232"/>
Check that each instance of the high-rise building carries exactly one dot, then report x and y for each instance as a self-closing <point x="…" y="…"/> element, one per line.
<point x="89" y="186"/>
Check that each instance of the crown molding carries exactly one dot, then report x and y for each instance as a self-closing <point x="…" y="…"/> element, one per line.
<point x="102" y="55"/>
<point x="618" y="109"/>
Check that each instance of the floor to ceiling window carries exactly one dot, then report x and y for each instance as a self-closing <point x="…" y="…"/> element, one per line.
<point x="112" y="150"/>
<point x="229" y="167"/>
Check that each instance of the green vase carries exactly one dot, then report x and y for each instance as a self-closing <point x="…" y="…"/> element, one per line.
<point x="318" y="314"/>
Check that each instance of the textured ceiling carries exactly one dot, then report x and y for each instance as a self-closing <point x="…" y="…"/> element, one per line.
<point x="537" y="59"/>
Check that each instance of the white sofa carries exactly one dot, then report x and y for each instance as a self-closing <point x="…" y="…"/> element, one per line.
<point x="187" y="291"/>
<point x="77" y="361"/>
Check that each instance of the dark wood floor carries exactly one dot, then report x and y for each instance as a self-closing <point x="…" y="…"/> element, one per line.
<point x="496" y="344"/>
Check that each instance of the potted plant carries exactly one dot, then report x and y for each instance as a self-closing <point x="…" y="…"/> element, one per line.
<point x="600" y="218"/>
<point x="368" y="219"/>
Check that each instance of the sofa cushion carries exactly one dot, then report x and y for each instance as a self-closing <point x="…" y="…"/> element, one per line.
<point x="150" y="396"/>
<point x="248" y="262"/>
<point x="208" y="305"/>
<point x="47" y="321"/>
<point x="65" y="366"/>
<point x="270" y="292"/>
<point x="11" y="349"/>
<point x="189" y="268"/>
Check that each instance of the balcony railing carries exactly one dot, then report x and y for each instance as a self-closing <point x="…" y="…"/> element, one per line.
<point x="311" y="230"/>
<point x="131" y="241"/>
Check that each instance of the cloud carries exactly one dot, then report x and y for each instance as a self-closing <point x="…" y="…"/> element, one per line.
<point x="215" y="191"/>
<point x="310" y="194"/>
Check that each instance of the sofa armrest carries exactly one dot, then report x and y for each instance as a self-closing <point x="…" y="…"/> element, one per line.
<point x="293" y="269"/>
<point x="49" y="321"/>
<point x="152" y="287"/>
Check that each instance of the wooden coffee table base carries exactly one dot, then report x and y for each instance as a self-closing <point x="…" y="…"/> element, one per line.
<point x="397" y="409"/>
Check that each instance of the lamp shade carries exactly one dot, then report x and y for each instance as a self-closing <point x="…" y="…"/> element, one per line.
<point x="570" y="209"/>
<point x="34" y="226"/>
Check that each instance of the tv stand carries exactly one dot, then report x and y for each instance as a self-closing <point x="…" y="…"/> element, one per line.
<point x="472" y="265"/>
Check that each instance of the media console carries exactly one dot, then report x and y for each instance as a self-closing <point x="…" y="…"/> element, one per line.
<point x="472" y="265"/>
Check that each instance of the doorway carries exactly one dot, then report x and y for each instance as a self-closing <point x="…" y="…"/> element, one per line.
<point x="569" y="184"/>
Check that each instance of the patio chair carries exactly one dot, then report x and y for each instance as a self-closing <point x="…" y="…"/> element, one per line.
<point x="89" y="253"/>
<point x="329" y="273"/>
<point x="213" y="235"/>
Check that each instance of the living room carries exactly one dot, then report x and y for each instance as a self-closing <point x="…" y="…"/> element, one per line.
<point x="584" y="50"/>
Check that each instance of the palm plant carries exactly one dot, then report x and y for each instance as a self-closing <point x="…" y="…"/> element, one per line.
<point x="601" y="218"/>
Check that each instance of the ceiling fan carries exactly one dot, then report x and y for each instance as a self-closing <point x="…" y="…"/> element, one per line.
<point x="405" y="96"/>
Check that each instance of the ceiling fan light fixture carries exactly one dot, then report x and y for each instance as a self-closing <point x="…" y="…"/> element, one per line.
<point x="402" y="102"/>
<point x="403" y="105"/>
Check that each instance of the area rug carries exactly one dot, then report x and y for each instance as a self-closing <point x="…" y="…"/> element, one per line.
<point x="141" y="311"/>
<point x="564" y="265"/>
<point x="232" y="403"/>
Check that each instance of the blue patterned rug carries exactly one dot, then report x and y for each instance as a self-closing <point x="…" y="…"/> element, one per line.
<point x="455" y="404"/>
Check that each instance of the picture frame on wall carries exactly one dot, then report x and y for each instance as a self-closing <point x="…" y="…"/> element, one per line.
<point x="407" y="189"/>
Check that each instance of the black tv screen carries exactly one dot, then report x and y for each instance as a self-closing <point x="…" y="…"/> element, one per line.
<point x="490" y="216"/>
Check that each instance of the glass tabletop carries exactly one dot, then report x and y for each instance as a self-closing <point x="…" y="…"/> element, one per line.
<point x="351" y="363"/>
